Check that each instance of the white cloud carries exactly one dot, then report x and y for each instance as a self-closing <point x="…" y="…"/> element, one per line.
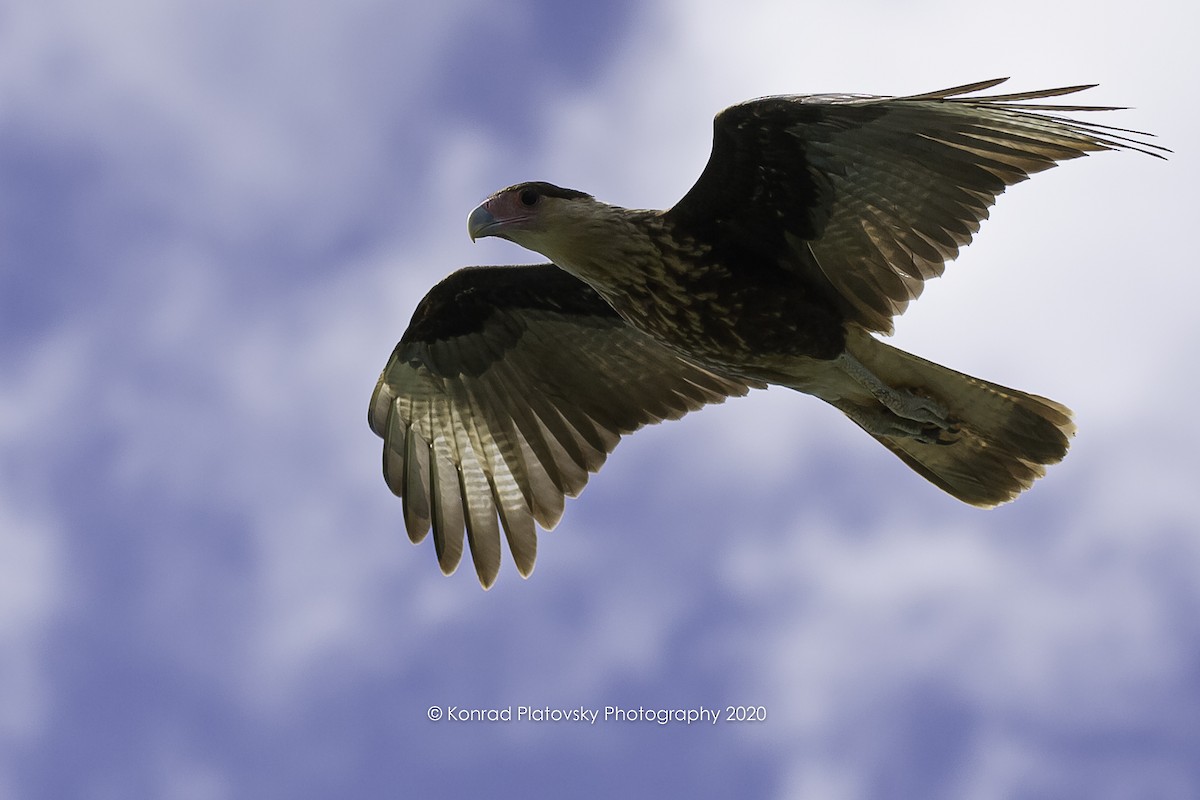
<point x="1063" y="635"/>
<point x="233" y="124"/>
<point x="238" y="121"/>
<point x="261" y="118"/>
<point x="34" y="586"/>
<point x="32" y="592"/>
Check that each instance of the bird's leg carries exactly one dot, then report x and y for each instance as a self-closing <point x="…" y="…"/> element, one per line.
<point x="928" y="415"/>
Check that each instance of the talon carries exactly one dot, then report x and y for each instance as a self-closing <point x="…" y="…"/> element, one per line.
<point x="943" y="433"/>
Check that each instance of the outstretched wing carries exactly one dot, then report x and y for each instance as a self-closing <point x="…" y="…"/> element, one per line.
<point x="870" y="196"/>
<point x="510" y="386"/>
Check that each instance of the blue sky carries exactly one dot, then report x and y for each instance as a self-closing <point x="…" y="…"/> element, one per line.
<point x="215" y="221"/>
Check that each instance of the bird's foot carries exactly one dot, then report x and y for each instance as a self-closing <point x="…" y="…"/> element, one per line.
<point x="904" y="412"/>
<point x="880" y="421"/>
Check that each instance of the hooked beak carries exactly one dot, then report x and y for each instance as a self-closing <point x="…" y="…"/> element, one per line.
<point x="481" y="222"/>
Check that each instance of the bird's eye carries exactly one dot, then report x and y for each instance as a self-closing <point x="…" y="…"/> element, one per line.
<point x="528" y="197"/>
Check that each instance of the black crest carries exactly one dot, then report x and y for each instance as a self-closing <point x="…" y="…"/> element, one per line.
<point x="544" y="189"/>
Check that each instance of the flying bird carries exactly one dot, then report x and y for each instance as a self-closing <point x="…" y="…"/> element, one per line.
<point x="816" y="220"/>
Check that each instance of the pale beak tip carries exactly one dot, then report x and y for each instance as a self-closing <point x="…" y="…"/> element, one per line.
<point x="478" y="223"/>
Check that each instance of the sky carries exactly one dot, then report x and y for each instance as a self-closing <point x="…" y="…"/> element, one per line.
<point x="215" y="221"/>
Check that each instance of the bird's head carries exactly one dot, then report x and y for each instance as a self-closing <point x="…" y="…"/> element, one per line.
<point x="537" y="215"/>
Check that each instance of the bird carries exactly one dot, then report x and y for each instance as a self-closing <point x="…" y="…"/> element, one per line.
<point x="814" y="223"/>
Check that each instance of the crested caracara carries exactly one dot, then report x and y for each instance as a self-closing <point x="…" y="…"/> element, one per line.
<point x="815" y="222"/>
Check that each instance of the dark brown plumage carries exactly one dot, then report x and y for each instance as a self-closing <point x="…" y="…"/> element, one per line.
<point x="815" y="222"/>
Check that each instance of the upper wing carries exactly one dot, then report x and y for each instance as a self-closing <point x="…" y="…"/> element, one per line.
<point x="874" y="194"/>
<point x="509" y="387"/>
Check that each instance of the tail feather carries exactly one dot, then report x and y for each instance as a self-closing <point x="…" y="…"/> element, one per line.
<point x="1006" y="438"/>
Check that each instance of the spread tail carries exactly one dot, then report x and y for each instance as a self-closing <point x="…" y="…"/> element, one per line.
<point x="998" y="441"/>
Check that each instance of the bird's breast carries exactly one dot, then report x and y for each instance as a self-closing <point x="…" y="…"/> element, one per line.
<point x="716" y="316"/>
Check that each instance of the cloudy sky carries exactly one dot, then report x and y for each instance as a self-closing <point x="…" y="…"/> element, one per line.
<point x="215" y="221"/>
